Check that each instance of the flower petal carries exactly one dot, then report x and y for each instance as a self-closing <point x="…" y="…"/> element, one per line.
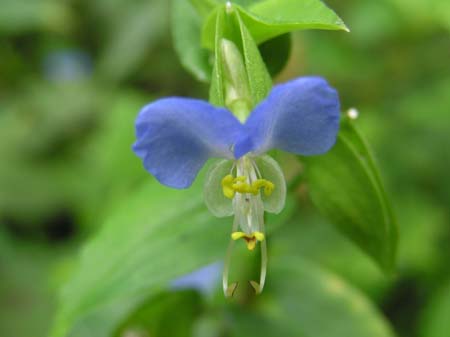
<point x="217" y="203"/>
<point x="176" y="136"/>
<point x="301" y="116"/>
<point x="270" y="170"/>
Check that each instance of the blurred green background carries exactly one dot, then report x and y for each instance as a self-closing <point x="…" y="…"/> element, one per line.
<point x="73" y="75"/>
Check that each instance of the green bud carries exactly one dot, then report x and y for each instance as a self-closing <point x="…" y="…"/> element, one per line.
<point x="236" y="87"/>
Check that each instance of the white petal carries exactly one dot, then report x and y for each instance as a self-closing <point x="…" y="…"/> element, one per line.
<point x="270" y="170"/>
<point x="217" y="203"/>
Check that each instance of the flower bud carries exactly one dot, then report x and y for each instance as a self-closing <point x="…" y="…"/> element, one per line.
<point x="236" y="87"/>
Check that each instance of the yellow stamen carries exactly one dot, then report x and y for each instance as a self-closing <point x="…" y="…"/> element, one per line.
<point x="237" y="235"/>
<point x="259" y="236"/>
<point x="250" y="239"/>
<point x="231" y="185"/>
<point x="266" y="184"/>
<point x="227" y="186"/>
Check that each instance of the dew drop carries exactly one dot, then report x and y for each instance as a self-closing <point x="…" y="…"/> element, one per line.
<point x="352" y="113"/>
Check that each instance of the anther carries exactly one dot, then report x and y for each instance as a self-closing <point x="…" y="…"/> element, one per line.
<point x="227" y="186"/>
<point x="250" y="239"/>
<point x="231" y="185"/>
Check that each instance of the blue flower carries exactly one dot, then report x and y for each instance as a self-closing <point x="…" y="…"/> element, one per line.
<point x="177" y="136"/>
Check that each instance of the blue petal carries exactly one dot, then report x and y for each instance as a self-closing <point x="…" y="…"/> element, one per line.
<point x="301" y="116"/>
<point x="204" y="279"/>
<point x="176" y="136"/>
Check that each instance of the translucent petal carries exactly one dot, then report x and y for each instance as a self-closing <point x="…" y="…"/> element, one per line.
<point x="217" y="203"/>
<point x="270" y="170"/>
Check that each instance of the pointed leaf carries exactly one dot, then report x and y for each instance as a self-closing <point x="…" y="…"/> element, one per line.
<point x="270" y="18"/>
<point x="346" y="187"/>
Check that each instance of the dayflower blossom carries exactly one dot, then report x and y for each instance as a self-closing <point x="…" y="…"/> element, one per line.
<point x="177" y="136"/>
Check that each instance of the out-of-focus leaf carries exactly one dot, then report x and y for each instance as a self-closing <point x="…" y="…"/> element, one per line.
<point x="22" y="15"/>
<point x="156" y="317"/>
<point x="157" y="235"/>
<point x="59" y="112"/>
<point x="307" y="301"/>
<point x="134" y="35"/>
<point x="42" y="128"/>
<point x="203" y="7"/>
<point x="424" y="14"/>
<point x="108" y="164"/>
<point x="383" y="24"/>
<point x="270" y="18"/>
<point x="186" y="32"/>
<point x="346" y="187"/>
<point x="310" y="236"/>
<point x="26" y="304"/>
<point x="436" y="321"/>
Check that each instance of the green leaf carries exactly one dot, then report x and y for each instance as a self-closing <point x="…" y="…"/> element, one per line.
<point x="268" y="19"/>
<point x="230" y="26"/>
<point x="258" y="76"/>
<point x="17" y="16"/>
<point x="26" y="307"/>
<point x="186" y="32"/>
<point x="155" y="236"/>
<point x="303" y="300"/>
<point x="346" y="187"/>
<point x="140" y="27"/>
<point x="216" y="90"/>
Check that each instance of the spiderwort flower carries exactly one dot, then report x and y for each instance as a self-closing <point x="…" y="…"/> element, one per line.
<point x="176" y="136"/>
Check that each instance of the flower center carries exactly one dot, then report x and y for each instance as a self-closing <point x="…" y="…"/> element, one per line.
<point x="244" y="190"/>
<point x="231" y="185"/>
<point x="243" y="186"/>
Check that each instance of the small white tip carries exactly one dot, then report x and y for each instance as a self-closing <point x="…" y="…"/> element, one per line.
<point x="229" y="7"/>
<point x="352" y="113"/>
